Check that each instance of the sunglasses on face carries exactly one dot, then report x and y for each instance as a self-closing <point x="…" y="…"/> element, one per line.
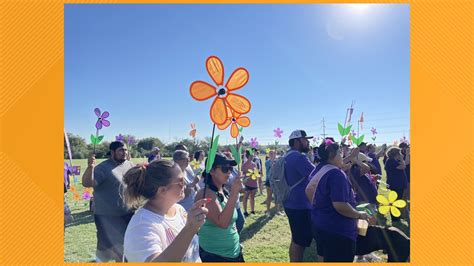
<point x="225" y="169"/>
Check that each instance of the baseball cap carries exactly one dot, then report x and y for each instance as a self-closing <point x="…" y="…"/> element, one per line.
<point x="296" y="134"/>
<point x="221" y="159"/>
<point x="155" y="149"/>
<point x="362" y="144"/>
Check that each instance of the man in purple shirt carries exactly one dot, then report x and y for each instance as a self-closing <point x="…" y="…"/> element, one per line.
<point x="297" y="207"/>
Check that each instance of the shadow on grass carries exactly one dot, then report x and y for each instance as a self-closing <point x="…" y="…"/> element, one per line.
<point x="80" y="218"/>
<point x="249" y="231"/>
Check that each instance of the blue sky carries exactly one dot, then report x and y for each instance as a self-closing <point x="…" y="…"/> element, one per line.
<point x="305" y="62"/>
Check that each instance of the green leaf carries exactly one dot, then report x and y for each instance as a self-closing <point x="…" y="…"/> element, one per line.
<point x="241" y="129"/>
<point x="341" y="129"/>
<point x="212" y="154"/>
<point x="235" y="154"/>
<point x="347" y="129"/>
<point x="99" y="139"/>
<point x="251" y="152"/>
<point x="93" y="139"/>
<point x="361" y="138"/>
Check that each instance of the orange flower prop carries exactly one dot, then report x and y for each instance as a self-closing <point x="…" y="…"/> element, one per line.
<point x="193" y="131"/>
<point x="224" y="95"/>
<point x="234" y="119"/>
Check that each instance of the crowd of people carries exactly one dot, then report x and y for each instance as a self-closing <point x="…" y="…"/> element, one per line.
<point x="168" y="210"/>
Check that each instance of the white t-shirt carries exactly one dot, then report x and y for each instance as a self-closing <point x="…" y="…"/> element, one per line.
<point x="149" y="233"/>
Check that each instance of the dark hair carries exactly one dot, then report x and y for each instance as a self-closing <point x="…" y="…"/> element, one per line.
<point x="247" y="154"/>
<point x="326" y="152"/>
<point x="197" y="154"/>
<point x="291" y="142"/>
<point x="316" y="155"/>
<point x="115" y="145"/>
<point x="208" y="182"/>
<point x="143" y="181"/>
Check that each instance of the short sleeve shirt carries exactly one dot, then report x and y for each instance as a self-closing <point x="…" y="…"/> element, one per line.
<point x="149" y="233"/>
<point x="108" y="191"/>
<point x="334" y="186"/>
<point x="297" y="167"/>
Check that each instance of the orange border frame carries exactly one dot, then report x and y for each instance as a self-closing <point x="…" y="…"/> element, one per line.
<point x="31" y="87"/>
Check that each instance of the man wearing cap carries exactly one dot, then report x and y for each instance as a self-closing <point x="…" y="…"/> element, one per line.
<point x="111" y="216"/>
<point x="298" y="167"/>
<point x="155" y="154"/>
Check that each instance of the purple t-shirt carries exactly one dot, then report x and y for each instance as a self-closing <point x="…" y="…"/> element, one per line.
<point x="396" y="178"/>
<point x="334" y="186"/>
<point x="365" y="189"/>
<point x="297" y="166"/>
<point x="375" y="162"/>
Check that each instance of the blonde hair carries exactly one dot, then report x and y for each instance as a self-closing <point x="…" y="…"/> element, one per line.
<point x="142" y="181"/>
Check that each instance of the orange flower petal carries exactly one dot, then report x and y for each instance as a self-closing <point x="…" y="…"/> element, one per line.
<point x="215" y="68"/>
<point x="225" y="125"/>
<point x="238" y="103"/>
<point x="243" y="121"/>
<point x="234" y="130"/>
<point x="238" y="79"/>
<point x="218" y="111"/>
<point x="201" y="90"/>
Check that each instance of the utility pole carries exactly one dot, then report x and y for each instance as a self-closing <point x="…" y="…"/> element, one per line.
<point x="324" y="129"/>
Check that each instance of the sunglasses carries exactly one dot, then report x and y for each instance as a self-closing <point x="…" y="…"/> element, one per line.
<point x="225" y="169"/>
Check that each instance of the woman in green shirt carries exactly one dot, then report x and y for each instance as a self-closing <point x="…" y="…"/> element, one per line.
<point x="218" y="238"/>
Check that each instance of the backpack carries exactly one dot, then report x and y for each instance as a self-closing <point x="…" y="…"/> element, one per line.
<point x="280" y="188"/>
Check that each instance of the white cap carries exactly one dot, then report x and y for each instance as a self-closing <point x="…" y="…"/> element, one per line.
<point x="296" y="134"/>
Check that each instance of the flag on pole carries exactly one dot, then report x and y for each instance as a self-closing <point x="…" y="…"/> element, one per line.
<point x="361" y="121"/>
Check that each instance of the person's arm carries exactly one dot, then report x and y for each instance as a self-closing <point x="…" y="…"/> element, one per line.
<point x="177" y="249"/>
<point x="88" y="176"/>
<point x="345" y="209"/>
<point x="217" y="215"/>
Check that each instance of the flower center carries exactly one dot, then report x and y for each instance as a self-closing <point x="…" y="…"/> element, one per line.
<point x="233" y="120"/>
<point x="221" y="92"/>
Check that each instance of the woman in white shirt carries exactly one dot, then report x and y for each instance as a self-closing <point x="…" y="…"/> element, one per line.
<point x="161" y="231"/>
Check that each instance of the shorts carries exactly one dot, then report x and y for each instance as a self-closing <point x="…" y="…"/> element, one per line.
<point x="111" y="232"/>
<point x="247" y="188"/>
<point x="300" y="222"/>
<point x="334" y="247"/>
<point x="211" y="257"/>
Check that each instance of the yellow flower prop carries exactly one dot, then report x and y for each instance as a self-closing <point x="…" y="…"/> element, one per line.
<point x="267" y="151"/>
<point x="391" y="204"/>
<point x="253" y="174"/>
<point x="195" y="165"/>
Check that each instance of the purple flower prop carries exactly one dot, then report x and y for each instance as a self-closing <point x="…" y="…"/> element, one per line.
<point x="120" y="137"/>
<point x="354" y="133"/>
<point x="86" y="195"/>
<point x="278" y="132"/>
<point x="253" y="142"/>
<point x="101" y="119"/>
<point x="374" y="131"/>
<point x="131" y="140"/>
<point x="404" y="140"/>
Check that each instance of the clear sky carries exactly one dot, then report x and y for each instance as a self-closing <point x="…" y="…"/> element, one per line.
<point x="305" y="62"/>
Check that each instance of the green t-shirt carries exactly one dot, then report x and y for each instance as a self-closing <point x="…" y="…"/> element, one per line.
<point x="222" y="242"/>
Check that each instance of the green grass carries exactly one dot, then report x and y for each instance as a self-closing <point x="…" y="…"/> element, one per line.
<point x="264" y="239"/>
